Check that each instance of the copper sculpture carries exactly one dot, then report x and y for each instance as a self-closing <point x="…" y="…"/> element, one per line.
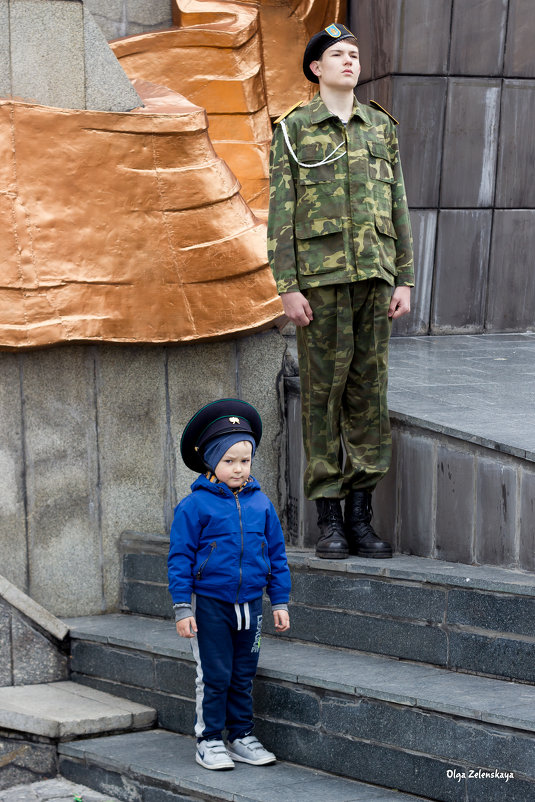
<point x="128" y="227"/>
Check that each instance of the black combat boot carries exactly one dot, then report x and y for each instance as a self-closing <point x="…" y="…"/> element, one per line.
<point x="332" y="543"/>
<point x="360" y="534"/>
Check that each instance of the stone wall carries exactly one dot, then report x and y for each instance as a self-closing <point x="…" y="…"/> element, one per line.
<point x="127" y="17"/>
<point x="89" y="448"/>
<point x="32" y="641"/>
<point x="460" y="77"/>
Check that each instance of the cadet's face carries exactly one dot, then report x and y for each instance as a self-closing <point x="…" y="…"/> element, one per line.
<point x="234" y="466"/>
<point x="339" y="66"/>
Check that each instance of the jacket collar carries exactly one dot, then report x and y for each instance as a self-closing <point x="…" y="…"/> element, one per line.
<point x="220" y="488"/>
<point x="319" y="111"/>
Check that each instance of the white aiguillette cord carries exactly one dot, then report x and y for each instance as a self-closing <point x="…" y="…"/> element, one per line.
<point x="327" y="160"/>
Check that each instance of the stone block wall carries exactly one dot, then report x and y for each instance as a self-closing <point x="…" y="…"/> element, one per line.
<point x="55" y="54"/>
<point x="118" y="18"/>
<point x="459" y="75"/>
<point x="89" y="446"/>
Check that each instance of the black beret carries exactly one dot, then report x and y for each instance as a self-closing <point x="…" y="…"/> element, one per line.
<point x="319" y="44"/>
<point x="219" y="417"/>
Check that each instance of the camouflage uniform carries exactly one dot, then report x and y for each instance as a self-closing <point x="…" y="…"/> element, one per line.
<point x="340" y="233"/>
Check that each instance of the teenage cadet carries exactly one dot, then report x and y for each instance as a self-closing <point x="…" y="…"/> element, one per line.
<point x="340" y="247"/>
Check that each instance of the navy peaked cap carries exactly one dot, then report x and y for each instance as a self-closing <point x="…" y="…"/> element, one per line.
<point x="219" y="417"/>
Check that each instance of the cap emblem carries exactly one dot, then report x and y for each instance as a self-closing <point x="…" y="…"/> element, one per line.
<point x="234" y="420"/>
<point x="333" y="31"/>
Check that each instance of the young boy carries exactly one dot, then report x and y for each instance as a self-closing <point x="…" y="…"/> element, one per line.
<point x="226" y="546"/>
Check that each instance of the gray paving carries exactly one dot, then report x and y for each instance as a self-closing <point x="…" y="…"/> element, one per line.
<point x="166" y="757"/>
<point x="57" y="790"/>
<point x="424" y="569"/>
<point x="426" y="687"/>
<point x="67" y="709"/>
<point x="477" y="387"/>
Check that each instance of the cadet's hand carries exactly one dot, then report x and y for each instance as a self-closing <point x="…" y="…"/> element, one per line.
<point x="186" y="628"/>
<point x="400" y="303"/>
<point x="297" y="308"/>
<point x="282" y="620"/>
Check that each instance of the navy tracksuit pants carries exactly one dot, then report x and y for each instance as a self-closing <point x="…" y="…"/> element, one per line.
<point x="226" y="651"/>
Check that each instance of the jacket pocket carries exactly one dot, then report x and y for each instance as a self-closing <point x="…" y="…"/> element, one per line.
<point x="320" y="246"/>
<point x="202" y="566"/>
<point x="380" y="166"/>
<point x="387" y="243"/>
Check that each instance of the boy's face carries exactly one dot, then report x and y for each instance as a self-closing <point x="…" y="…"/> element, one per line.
<point x="339" y="66"/>
<point x="234" y="466"/>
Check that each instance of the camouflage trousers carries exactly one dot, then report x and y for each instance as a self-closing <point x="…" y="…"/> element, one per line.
<point x="343" y="366"/>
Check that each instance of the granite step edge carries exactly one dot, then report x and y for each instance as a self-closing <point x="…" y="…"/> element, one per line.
<point x="495" y="701"/>
<point x="167" y="760"/>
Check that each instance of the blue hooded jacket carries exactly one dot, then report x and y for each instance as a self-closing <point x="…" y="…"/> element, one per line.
<point x="228" y="546"/>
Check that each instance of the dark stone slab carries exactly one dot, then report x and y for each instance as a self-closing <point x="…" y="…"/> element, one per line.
<point x="94" y="776"/>
<point x="430" y="734"/>
<point x="514" y="187"/>
<point x="411" y="37"/>
<point x="417" y="474"/>
<point x="145" y="567"/>
<point x="519" y="53"/>
<point x="478" y="37"/>
<point x="174" y="676"/>
<point x="496" y="513"/>
<point x="360" y="22"/>
<point x="418" y="603"/>
<point x="424" y="226"/>
<point x="288" y="703"/>
<point x="372" y="763"/>
<point x="511" y="289"/>
<point x="146" y="598"/>
<point x="22" y="761"/>
<point x="499" y="613"/>
<point x="368" y="634"/>
<point x="527" y="519"/>
<point x="470" y="143"/>
<point x="459" y="296"/>
<point x="418" y="104"/>
<point x="500" y="657"/>
<point x="114" y="664"/>
<point x="455" y="501"/>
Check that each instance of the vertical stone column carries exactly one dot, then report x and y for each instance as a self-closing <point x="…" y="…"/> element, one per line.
<point x="460" y="77"/>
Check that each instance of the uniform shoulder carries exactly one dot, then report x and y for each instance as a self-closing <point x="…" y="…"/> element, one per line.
<point x="378" y="109"/>
<point x="289" y="111"/>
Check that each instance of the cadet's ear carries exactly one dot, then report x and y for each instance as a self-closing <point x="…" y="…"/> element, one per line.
<point x="315" y="68"/>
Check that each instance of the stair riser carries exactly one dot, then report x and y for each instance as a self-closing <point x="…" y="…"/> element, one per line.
<point x="121" y="786"/>
<point x="370" y="740"/>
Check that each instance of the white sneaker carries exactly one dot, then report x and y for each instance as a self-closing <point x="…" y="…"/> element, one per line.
<point x="213" y="755"/>
<point x="250" y="750"/>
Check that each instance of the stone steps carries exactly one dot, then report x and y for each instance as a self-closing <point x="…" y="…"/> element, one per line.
<point x="477" y="619"/>
<point x="370" y="718"/>
<point x="65" y="710"/>
<point x="159" y="766"/>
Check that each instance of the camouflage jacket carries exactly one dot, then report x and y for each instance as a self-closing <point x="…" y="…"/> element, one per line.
<point x="342" y="221"/>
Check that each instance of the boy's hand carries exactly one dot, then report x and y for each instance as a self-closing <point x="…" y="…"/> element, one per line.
<point x="187" y="628"/>
<point x="297" y="308"/>
<point x="282" y="620"/>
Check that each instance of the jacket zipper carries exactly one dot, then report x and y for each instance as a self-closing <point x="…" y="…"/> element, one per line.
<point x="203" y="566"/>
<point x="241" y="553"/>
<point x="266" y="562"/>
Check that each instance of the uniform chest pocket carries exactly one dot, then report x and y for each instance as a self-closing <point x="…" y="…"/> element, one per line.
<point x="380" y="166"/>
<point x="310" y="155"/>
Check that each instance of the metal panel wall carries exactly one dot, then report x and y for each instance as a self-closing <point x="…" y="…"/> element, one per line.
<point x="459" y="75"/>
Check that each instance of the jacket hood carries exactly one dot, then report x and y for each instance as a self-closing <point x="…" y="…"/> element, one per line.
<point x="202" y="483"/>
